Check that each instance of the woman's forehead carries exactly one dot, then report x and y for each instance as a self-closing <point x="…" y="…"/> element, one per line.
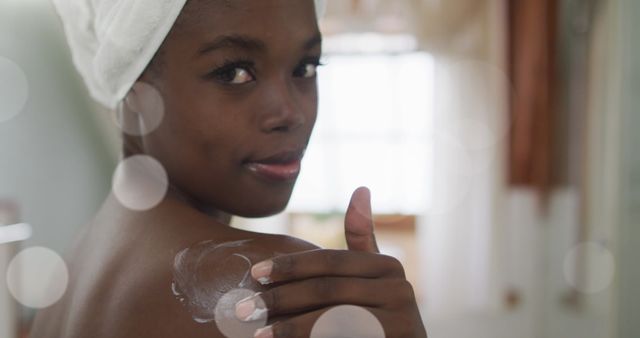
<point x="276" y="24"/>
<point x="206" y="13"/>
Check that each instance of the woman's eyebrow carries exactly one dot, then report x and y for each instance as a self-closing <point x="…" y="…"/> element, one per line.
<point x="248" y="43"/>
<point x="233" y="41"/>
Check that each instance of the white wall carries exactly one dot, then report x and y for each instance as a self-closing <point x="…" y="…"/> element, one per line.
<point x="629" y="236"/>
<point x="53" y="162"/>
<point x="52" y="158"/>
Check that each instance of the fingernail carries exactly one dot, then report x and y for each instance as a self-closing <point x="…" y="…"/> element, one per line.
<point x="246" y="309"/>
<point x="262" y="272"/>
<point x="265" y="332"/>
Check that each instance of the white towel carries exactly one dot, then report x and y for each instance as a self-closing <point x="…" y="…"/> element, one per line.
<point x="113" y="41"/>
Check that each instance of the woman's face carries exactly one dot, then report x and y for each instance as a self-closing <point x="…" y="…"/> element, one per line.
<point x="239" y="87"/>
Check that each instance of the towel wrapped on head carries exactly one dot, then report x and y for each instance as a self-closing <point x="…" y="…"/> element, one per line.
<point x="113" y="41"/>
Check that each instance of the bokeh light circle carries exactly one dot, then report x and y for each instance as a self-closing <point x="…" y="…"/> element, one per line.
<point x="14" y="89"/>
<point x="37" y="277"/>
<point x="140" y="182"/>
<point x="143" y="110"/>
<point x="347" y="321"/>
<point x="598" y="264"/>
<point x="225" y="315"/>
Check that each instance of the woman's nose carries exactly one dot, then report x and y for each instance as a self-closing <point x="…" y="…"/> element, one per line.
<point x="285" y="112"/>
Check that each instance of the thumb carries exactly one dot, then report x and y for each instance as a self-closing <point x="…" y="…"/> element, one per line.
<point x="358" y="223"/>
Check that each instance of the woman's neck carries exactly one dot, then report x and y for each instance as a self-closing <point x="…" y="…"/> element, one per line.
<point x="218" y="215"/>
<point x="133" y="146"/>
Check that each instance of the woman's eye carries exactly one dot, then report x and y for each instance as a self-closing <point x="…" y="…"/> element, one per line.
<point x="233" y="72"/>
<point x="235" y="75"/>
<point x="308" y="69"/>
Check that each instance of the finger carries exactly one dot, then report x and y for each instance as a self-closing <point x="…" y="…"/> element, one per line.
<point x="316" y="293"/>
<point x="325" y="263"/>
<point x="358" y="223"/>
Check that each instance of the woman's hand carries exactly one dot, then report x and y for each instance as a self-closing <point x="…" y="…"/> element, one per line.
<point x="305" y="285"/>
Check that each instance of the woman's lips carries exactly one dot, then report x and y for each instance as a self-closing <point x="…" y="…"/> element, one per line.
<point x="281" y="167"/>
<point x="287" y="171"/>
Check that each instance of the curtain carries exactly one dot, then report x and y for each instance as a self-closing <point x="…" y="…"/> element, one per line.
<point x="460" y="233"/>
<point x="532" y="72"/>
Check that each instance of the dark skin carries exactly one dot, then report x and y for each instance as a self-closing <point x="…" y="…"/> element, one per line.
<point x="218" y="115"/>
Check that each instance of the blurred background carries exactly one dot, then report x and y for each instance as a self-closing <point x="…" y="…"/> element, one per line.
<point x="497" y="138"/>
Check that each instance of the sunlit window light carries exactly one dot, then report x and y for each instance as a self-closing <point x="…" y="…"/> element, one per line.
<point x="373" y="129"/>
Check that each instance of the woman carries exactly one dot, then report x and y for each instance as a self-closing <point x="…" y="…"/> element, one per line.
<point x="238" y="86"/>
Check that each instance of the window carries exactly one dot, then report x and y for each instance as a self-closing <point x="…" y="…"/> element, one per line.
<point x="374" y="122"/>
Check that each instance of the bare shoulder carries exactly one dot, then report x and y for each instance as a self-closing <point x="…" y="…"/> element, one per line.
<point x="184" y="293"/>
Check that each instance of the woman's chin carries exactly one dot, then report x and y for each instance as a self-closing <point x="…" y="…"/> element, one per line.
<point x="265" y="202"/>
<point x="264" y="207"/>
<point x="262" y="211"/>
